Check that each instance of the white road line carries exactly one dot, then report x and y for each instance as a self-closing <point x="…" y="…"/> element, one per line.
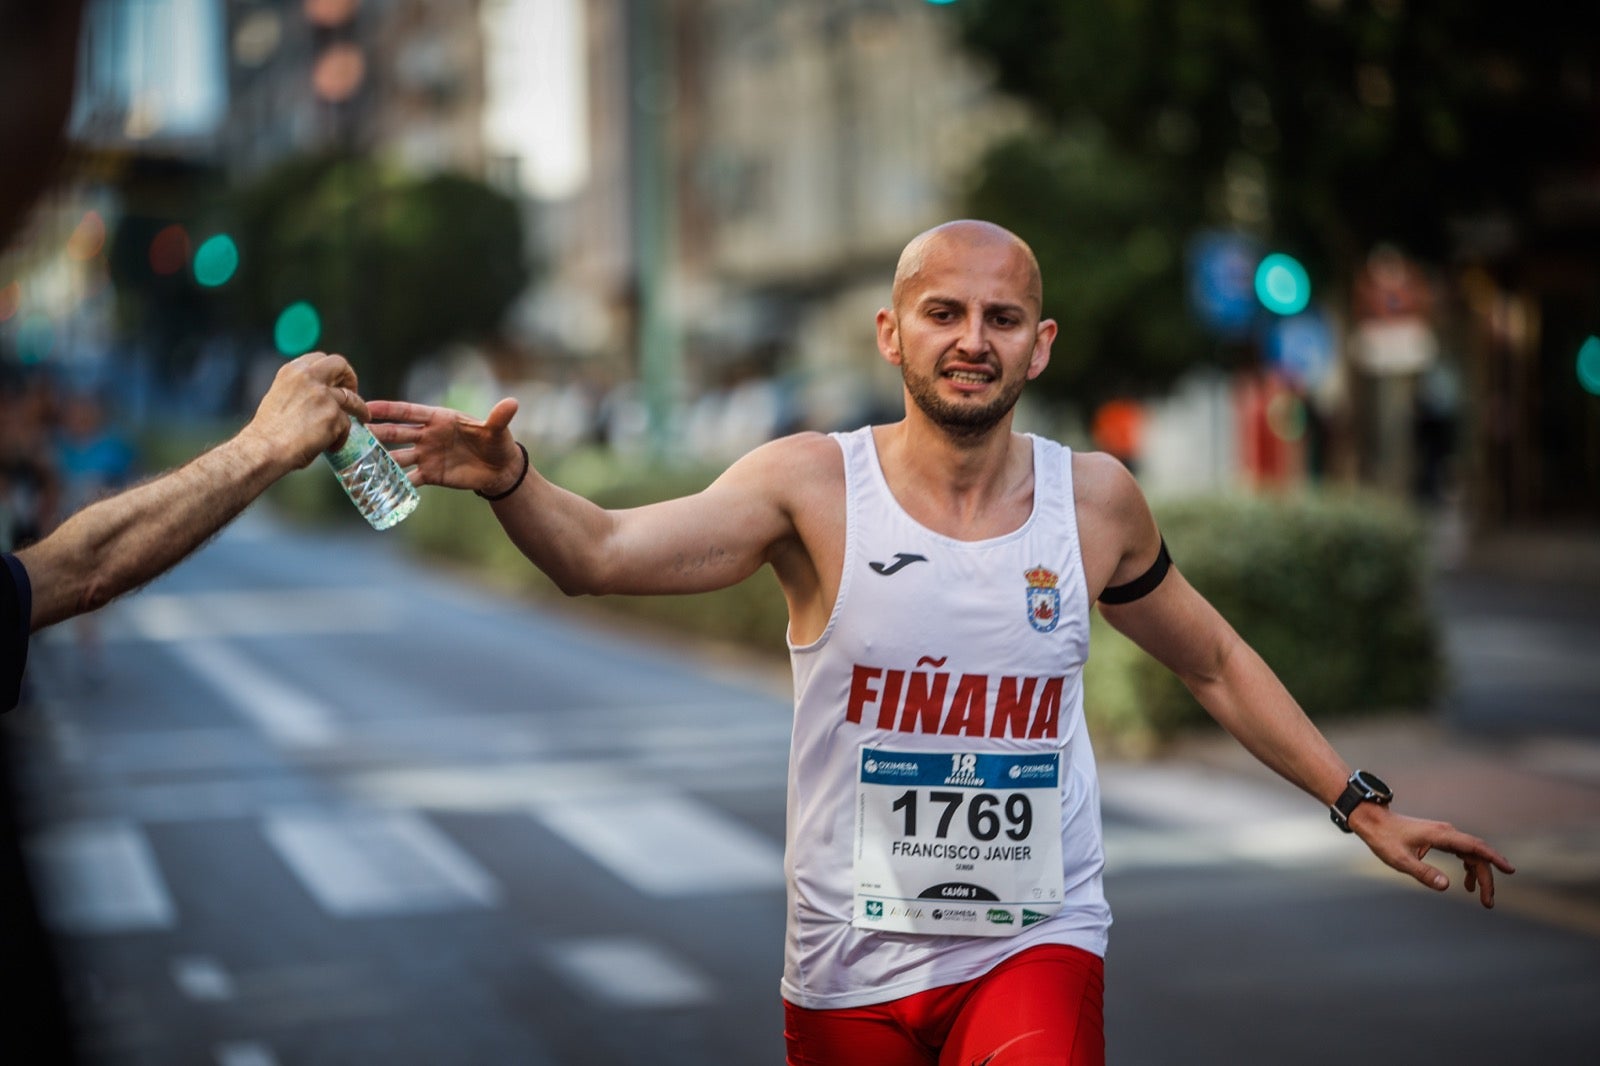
<point x="630" y="973"/>
<point x="363" y="864"/>
<point x="260" y="612"/>
<point x="494" y="787"/>
<point x="202" y="979"/>
<point x="100" y="877"/>
<point x="244" y="1053"/>
<point x="1288" y="842"/>
<point x="667" y="845"/>
<point x="287" y="715"/>
<point x="1203" y="817"/>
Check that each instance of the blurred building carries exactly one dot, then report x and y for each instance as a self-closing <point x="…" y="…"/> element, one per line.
<point x="755" y="170"/>
<point x="719" y="188"/>
<point x="148" y="99"/>
<point x="402" y="79"/>
<point x="1527" y="292"/>
<point x="150" y="76"/>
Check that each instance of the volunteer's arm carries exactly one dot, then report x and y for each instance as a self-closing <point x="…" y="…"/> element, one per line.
<point x="124" y="541"/>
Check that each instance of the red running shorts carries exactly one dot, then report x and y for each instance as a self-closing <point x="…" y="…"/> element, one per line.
<point x="1042" y="1007"/>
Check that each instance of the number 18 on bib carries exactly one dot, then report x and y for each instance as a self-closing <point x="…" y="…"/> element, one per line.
<point x="963" y="843"/>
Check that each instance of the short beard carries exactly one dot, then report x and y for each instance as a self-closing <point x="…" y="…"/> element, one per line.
<point x="963" y="421"/>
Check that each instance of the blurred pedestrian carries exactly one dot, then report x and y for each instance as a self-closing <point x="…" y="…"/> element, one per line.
<point x="92" y="457"/>
<point x="92" y="460"/>
<point x="944" y="851"/>
<point x="1117" y="429"/>
<point x="30" y="490"/>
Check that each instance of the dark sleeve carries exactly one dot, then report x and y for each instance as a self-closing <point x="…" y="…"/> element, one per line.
<point x="16" y="609"/>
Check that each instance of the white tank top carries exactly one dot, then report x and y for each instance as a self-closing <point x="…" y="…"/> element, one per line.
<point x="963" y="659"/>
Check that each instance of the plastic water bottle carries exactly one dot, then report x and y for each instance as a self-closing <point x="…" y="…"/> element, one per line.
<point x="372" y="479"/>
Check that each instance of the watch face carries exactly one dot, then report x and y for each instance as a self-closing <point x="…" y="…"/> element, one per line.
<point x="1372" y="783"/>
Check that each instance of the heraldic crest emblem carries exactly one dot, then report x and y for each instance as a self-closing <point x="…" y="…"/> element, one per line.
<point x="1044" y="599"/>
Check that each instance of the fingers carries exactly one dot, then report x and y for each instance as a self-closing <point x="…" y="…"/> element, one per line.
<point x="390" y="434"/>
<point x="421" y="414"/>
<point x="332" y="370"/>
<point x="399" y="411"/>
<point x="1404" y="843"/>
<point x="352" y="402"/>
<point x="1431" y="876"/>
<point x="1479" y="860"/>
<point x="341" y="434"/>
<point x="1481" y="877"/>
<point x="501" y="414"/>
<point x="394" y="435"/>
<point x="1471" y="849"/>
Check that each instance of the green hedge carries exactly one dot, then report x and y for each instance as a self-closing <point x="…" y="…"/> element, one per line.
<point x="1331" y="590"/>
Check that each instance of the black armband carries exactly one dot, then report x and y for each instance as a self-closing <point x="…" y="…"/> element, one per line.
<point x="1142" y="585"/>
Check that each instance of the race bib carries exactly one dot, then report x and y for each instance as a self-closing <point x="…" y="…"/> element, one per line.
<point x="965" y="843"/>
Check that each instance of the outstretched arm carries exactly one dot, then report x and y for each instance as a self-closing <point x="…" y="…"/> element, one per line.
<point x="1177" y="626"/>
<point x="120" y="543"/>
<point x="710" y="540"/>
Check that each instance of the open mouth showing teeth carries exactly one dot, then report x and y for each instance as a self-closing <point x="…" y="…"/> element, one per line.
<point x="967" y="377"/>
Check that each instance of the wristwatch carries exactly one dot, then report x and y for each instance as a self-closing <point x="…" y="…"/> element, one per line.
<point x="1361" y="788"/>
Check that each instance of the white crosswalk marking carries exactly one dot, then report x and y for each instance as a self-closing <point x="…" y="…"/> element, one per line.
<point x="202" y="979"/>
<point x="362" y="864"/>
<point x="1291" y="843"/>
<point x="625" y="972"/>
<point x="285" y="714"/>
<point x="100" y="877"/>
<point x="668" y="845"/>
<point x="244" y="1053"/>
<point x="210" y="615"/>
<point x="1199" y="817"/>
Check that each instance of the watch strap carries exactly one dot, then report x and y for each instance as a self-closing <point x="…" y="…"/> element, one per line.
<point x="1356" y="792"/>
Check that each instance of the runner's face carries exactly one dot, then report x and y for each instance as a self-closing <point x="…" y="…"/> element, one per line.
<point x="966" y="334"/>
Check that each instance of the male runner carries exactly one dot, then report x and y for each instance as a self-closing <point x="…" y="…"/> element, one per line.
<point x="944" y="851"/>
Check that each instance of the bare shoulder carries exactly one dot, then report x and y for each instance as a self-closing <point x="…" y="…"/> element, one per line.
<point x="813" y="448"/>
<point x="1103" y="485"/>
<point x="1115" y="527"/>
<point x="799" y="464"/>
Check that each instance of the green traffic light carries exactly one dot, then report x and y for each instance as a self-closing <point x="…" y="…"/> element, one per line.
<point x="1282" y="285"/>
<point x="297" y="329"/>
<point x="216" y="260"/>
<point x="1589" y="366"/>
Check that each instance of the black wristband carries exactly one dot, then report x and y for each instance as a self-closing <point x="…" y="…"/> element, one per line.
<point x="526" y="463"/>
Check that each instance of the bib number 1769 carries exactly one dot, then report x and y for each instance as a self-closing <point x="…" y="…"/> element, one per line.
<point x="986" y="813"/>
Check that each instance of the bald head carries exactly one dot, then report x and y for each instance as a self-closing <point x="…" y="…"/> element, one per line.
<point x="959" y="238"/>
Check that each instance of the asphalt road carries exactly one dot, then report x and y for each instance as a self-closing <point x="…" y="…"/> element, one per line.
<point x="314" y="803"/>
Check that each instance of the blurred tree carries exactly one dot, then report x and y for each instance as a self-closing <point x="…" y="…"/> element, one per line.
<point x="396" y="265"/>
<point x="1319" y="126"/>
<point x="161" y="314"/>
